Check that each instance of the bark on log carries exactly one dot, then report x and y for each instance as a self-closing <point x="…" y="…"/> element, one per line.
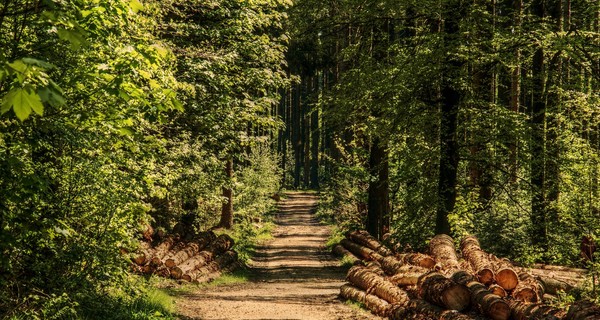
<point x="554" y="286"/>
<point x="490" y="304"/>
<point x="220" y="245"/>
<point x="212" y="270"/>
<point x="506" y="276"/>
<point x="407" y="275"/>
<point x="528" y="289"/>
<point x="340" y="251"/>
<point x="497" y="290"/>
<point x="434" y="287"/>
<point x="375" y="304"/>
<point x="365" y="239"/>
<point x="441" y="247"/>
<point x="202" y="258"/>
<point x="160" y="251"/>
<point x="417" y="259"/>
<point x="371" y="282"/>
<point x="189" y="250"/>
<point x="549" y="267"/>
<point x="358" y="250"/>
<point x="421" y="307"/>
<point x="526" y="311"/>
<point x="583" y="310"/>
<point x="479" y="260"/>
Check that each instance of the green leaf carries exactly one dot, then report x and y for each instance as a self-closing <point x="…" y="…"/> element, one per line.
<point x="136" y="5"/>
<point x="39" y="63"/>
<point x="75" y="38"/>
<point x="22" y="103"/>
<point x="177" y="104"/>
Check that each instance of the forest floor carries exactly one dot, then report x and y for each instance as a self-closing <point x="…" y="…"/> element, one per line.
<point x="292" y="276"/>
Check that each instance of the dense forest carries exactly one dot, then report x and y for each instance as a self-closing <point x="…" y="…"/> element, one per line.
<point x="414" y="118"/>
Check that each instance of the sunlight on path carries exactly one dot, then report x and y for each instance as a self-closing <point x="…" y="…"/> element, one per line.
<point x="293" y="276"/>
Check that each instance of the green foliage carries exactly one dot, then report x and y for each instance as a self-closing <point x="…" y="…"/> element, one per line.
<point x="110" y="123"/>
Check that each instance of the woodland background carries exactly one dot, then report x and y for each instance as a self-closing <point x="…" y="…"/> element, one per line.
<point x="411" y="117"/>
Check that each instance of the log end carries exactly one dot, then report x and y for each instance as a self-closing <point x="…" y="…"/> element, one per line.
<point x="186" y="277"/>
<point x="499" y="310"/>
<point x="170" y="263"/>
<point x="507" y="278"/>
<point x="525" y="294"/>
<point x="457" y="297"/>
<point x="486" y="276"/>
<point x="176" y="273"/>
<point x="497" y="290"/>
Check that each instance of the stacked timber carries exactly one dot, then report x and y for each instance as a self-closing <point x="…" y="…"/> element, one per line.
<point x="202" y="259"/>
<point x="444" y="284"/>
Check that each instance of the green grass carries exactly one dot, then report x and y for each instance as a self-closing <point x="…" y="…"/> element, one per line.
<point x="239" y="276"/>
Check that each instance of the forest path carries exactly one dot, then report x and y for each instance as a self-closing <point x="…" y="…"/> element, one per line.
<point x="292" y="275"/>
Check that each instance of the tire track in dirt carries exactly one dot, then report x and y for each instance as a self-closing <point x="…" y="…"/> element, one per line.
<point x="293" y="276"/>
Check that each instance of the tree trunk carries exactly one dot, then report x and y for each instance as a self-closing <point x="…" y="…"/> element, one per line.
<point x="471" y="251"/>
<point x="369" y="280"/>
<point x="506" y="277"/>
<point x="527" y="311"/>
<point x="378" y="192"/>
<point x="434" y="287"/>
<point x="406" y="275"/>
<point x="420" y="308"/>
<point x="417" y="259"/>
<point x="490" y="304"/>
<point x="360" y="251"/>
<point x="441" y="247"/>
<point x="227" y="207"/>
<point x="375" y="304"/>
<point x="316" y="138"/>
<point x="366" y="239"/>
<point x="538" y="117"/>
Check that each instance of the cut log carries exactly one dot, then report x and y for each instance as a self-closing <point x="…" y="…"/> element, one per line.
<point x="202" y="258"/>
<point x="479" y="260"/>
<point x="378" y="306"/>
<point x="220" y="245"/>
<point x="358" y="250"/>
<point x="189" y="250"/>
<point x="434" y="287"/>
<point x="407" y="275"/>
<point x="490" y="304"/>
<point x="528" y="289"/>
<point x="419" y="307"/>
<point x="417" y="259"/>
<point x="549" y="267"/>
<point x="526" y="311"/>
<point x="371" y="282"/>
<point x="497" y="290"/>
<point x="340" y="251"/>
<point x="160" y="251"/>
<point x="213" y="269"/>
<point x="506" y="276"/>
<point x="441" y="247"/>
<point x="364" y="238"/>
<point x="554" y="286"/>
<point x="583" y="310"/>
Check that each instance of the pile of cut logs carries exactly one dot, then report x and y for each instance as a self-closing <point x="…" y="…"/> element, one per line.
<point x="202" y="259"/>
<point x="440" y="286"/>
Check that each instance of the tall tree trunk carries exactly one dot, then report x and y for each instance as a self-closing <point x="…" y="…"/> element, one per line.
<point x="306" y="126"/>
<point x="316" y="138"/>
<point x="538" y="116"/>
<point x="515" y="93"/>
<point x="451" y="97"/>
<point x="296" y="137"/>
<point x="378" y="202"/>
<point x="227" y="207"/>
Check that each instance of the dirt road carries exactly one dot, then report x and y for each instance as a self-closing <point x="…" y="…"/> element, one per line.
<point x="293" y="277"/>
